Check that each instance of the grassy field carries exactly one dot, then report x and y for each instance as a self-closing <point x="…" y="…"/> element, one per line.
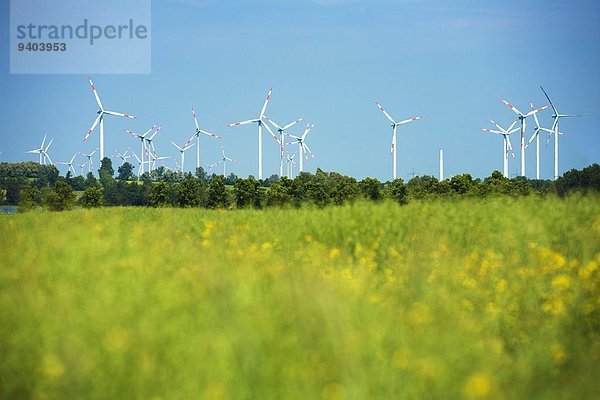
<point x="494" y="298"/>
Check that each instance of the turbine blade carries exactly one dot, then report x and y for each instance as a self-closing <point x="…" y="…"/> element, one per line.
<point x="264" y="108"/>
<point x="92" y="128"/>
<point x="195" y="119"/>
<point x="275" y="125"/>
<point x="120" y="114"/>
<point x="406" y="121"/>
<point x="271" y="132"/>
<point x="209" y="134"/>
<point x="292" y="123"/>
<point x="385" y="113"/>
<point x="549" y="101"/>
<point x="244" y="122"/>
<point x="511" y="107"/>
<point x="95" y="93"/>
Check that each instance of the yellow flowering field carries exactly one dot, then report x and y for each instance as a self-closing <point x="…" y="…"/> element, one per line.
<point x="476" y="299"/>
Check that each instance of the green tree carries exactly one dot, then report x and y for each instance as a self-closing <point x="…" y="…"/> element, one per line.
<point x="217" y="196"/>
<point x="91" y="198"/>
<point x="343" y="188"/>
<point x="159" y="195"/>
<point x="247" y="193"/>
<point x="2" y="196"/>
<point x="188" y="192"/>
<point x="61" y="197"/>
<point x="280" y="194"/>
<point x="370" y="188"/>
<point x="396" y="190"/>
<point x="125" y="172"/>
<point x="30" y="198"/>
<point x="462" y="184"/>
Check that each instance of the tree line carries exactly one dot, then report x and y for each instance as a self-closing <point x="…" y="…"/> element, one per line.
<point x="30" y="185"/>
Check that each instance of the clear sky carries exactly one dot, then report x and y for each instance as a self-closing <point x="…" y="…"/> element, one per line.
<point x="329" y="61"/>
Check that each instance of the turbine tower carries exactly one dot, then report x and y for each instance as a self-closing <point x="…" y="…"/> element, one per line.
<point x="506" y="146"/>
<point x="281" y="139"/>
<point x="197" y="135"/>
<point x="522" y="117"/>
<point x="536" y="136"/>
<point x="555" y="131"/>
<point x="394" y="125"/>
<point x="100" y="119"/>
<point x="304" y="149"/>
<point x="260" y="123"/>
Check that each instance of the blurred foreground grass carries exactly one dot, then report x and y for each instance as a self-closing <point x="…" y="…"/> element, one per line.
<point x="494" y="298"/>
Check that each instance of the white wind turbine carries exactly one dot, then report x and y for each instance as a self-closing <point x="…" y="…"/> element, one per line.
<point x="82" y="166"/>
<point x="123" y="156"/>
<point x="41" y="151"/>
<point x="300" y="141"/>
<point x="182" y="152"/>
<point x="70" y="164"/>
<point x="260" y="123"/>
<point x="150" y="145"/>
<point x="281" y="139"/>
<point x="100" y="119"/>
<point x="197" y="136"/>
<point x="223" y="161"/>
<point x="507" y="146"/>
<point x="142" y="138"/>
<point x="522" y="117"/>
<point x="90" y="160"/>
<point x="536" y="135"/>
<point x="394" y="125"/>
<point x="290" y="164"/>
<point x="556" y="116"/>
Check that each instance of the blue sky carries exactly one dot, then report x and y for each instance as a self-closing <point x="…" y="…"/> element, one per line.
<point x="329" y="61"/>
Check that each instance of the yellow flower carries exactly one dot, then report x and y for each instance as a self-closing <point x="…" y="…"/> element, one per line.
<point x="561" y="282"/>
<point x="334" y="253"/>
<point x="52" y="367"/>
<point x="478" y="385"/>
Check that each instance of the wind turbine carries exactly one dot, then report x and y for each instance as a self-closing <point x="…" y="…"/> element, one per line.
<point x="260" y="123"/>
<point x="150" y="145"/>
<point x="522" y="117"/>
<point x="281" y="139"/>
<point x="100" y="119"/>
<point x="90" y="160"/>
<point x="197" y="135"/>
<point x="536" y="135"/>
<point x="82" y="166"/>
<point x="223" y="160"/>
<point x="556" y="116"/>
<point x="123" y="156"/>
<point x="45" y="153"/>
<point x="290" y="164"/>
<point x="70" y="164"/>
<point x="39" y="150"/>
<point x="507" y="146"/>
<point x="182" y="152"/>
<point x="142" y="139"/>
<point x="300" y="141"/>
<point x="394" y="125"/>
